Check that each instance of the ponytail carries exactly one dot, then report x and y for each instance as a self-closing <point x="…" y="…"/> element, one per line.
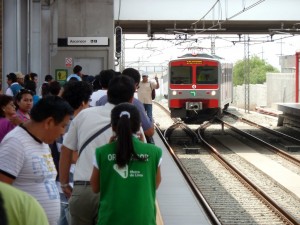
<point x="125" y="120"/>
<point x="124" y="143"/>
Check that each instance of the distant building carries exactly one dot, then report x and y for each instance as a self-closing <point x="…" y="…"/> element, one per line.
<point x="287" y="63"/>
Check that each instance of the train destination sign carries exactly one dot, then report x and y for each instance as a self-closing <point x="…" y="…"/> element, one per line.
<point x="95" y="41"/>
<point x="194" y="62"/>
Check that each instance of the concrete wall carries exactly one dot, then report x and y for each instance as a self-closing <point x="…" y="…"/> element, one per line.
<point x="279" y="88"/>
<point x="77" y="18"/>
<point x="257" y="95"/>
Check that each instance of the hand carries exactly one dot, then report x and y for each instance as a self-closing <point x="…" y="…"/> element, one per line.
<point x="67" y="191"/>
<point x="15" y="120"/>
<point x="140" y="136"/>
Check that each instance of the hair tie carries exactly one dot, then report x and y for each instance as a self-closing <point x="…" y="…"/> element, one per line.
<point x="125" y="113"/>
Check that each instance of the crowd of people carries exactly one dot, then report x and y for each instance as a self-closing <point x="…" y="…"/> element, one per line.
<point x="77" y="154"/>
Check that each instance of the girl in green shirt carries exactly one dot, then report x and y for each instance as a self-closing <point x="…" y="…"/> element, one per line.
<point x="126" y="172"/>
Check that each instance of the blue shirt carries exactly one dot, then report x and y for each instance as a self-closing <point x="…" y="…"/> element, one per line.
<point x="74" y="76"/>
<point x="146" y="123"/>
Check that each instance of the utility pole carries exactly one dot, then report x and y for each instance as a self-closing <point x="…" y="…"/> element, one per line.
<point x="246" y="73"/>
<point x="213" y="45"/>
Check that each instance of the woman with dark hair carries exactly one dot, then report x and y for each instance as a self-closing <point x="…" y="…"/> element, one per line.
<point x="31" y="85"/>
<point x="129" y="170"/>
<point x="8" y="117"/>
<point x="24" y="103"/>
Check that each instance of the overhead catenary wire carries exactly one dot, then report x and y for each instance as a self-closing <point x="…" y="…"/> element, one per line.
<point x="219" y="23"/>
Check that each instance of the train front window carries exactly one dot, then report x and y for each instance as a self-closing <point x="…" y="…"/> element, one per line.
<point x="207" y="75"/>
<point x="181" y="75"/>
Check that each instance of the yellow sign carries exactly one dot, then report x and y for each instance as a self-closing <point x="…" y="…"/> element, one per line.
<point x="61" y="74"/>
<point x="194" y="62"/>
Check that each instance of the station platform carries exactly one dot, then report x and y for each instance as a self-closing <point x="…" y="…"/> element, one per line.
<point x="177" y="204"/>
<point x="281" y="175"/>
<point x="290" y="114"/>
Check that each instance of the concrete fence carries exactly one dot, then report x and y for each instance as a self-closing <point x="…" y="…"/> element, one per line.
<point x="279" y="88"/>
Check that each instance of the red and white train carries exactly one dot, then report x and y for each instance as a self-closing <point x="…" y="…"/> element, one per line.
<point x="199" y="87"/>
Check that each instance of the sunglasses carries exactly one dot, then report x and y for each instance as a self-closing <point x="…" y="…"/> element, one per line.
<point x="25" y="91"/>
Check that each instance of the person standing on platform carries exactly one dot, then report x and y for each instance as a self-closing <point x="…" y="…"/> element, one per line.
<point x="25" y="157"/>
<point x="147" y="125"/>
<point x="76" y="75"/>
<point x="90" y="124"/>
<point x="8" y="117"/>
<point x="145" y="93"/>
<point x="129" y="170"/>
<point x="20" y="208"/>
<point x="20" y="78"/>
<point x="104" y="77"/>
<point x="13" y="86"/>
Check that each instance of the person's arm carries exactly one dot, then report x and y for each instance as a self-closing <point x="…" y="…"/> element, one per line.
<point x="157" y="84"/>
<point x="65" y="162"/>
<point x="6" y="179"/>
<point x="95" y="180"/>
<point x="147" y="125"/>
<point x="158" y="177"/>
<point x="9" y="92"/>
<point x="149" y="132"/>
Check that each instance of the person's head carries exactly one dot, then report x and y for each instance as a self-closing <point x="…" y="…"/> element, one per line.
<point x="20" y="78"/>
<point x="7" y="106"/>
<point x="11" y="78"/>
<point x="105" y="77"/>
<point x="120" y="89"/>
<point x="30" y="85"/>
<point x="145" y="77"/>
<point x="24" y="100"/>
<point x="134" y="74"/>
<point x="77" y="94"/>
<point x="48" y="78"/>
<point x="33" y="77"/>
<point x="125" y="121"/>
<point x="45" y="89"/>
<point x="96" y="83"/>
<point x="53" y="113"/>
<point x="54" y="87"/>
<point x="77" y="70"/>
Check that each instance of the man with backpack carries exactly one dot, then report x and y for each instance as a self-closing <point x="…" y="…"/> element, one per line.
<point x="145" y="90"/>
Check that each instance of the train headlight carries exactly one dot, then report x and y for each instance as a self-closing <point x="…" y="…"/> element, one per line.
<point x="174" y="92"/>
<point x="213" y="93"/>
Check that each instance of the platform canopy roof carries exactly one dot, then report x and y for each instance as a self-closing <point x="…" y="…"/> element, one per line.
<point x="208" y="16"/>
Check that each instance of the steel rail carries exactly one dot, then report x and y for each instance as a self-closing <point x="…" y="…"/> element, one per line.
<point x="285" y="216"/>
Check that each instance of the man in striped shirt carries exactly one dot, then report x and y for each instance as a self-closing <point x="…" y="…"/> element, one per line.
<point x="25" y="157"/>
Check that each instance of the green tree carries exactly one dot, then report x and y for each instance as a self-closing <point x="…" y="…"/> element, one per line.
<point x="258" y="69"/>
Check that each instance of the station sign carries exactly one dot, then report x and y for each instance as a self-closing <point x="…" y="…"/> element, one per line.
<point x="94" y="41"/>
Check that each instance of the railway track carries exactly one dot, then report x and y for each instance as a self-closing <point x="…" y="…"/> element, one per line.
<point x="234" y="198"/>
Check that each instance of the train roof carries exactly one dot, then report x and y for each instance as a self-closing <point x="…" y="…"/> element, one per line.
<point x="202" y="55"/>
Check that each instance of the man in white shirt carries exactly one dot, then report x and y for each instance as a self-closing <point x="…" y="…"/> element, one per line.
<point x="145" y="93"/>
<point x="83" y="203"/>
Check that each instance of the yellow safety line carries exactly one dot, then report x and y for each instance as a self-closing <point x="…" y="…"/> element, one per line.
<point x="159" y="219"/>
